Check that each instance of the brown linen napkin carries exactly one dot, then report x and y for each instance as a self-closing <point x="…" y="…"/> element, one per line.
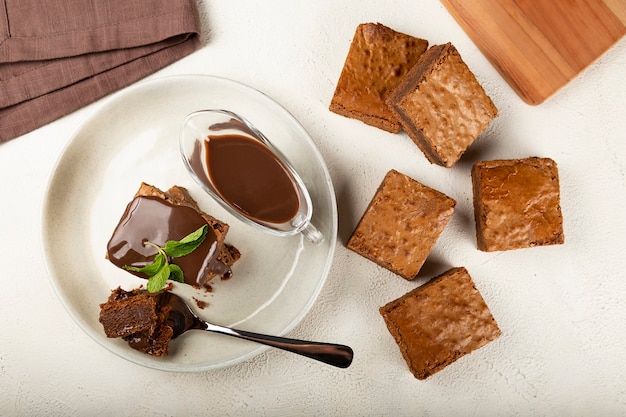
<point x="59" y="55"/>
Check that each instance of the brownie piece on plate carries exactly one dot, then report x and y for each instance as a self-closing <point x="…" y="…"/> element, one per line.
<point x="401" y="224"/>
<point x="377" y="59"/>
<point x="439" y="322"/>
<point x="441" y="105"/>
<point x="517" y="204"/>
<point x="157" y="216"/>
<point x="128" y="312"/>
<point x="139" y="318"/>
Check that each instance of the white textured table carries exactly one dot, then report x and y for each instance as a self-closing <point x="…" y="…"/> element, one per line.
<point x="562" y="309"/>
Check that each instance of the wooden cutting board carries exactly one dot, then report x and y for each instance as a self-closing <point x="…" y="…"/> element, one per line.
<point x="540" y="45"/>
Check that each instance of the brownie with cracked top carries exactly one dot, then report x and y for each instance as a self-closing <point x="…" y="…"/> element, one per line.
<point x="441" y="105"/>
<point x="401" y="224"/>
<point x="517" y="204"/>
<point x="439" y="322"/>
<point x="377" y="60"/>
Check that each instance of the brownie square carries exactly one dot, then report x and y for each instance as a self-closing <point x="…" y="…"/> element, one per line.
<point x="439" y="322"/>
<point x="441" y="105"/>
<point x="128" y="312"/>
<point x="401" y="224"/>
<point x="138" y="317"/>
<point x="517" y="204"/>
<point x="377" y="59"/>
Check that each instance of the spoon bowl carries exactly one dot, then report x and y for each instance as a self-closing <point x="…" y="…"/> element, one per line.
<point x="181" y="318"/>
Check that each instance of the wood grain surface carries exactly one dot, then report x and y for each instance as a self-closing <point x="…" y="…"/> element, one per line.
<point x="540" y="45"/>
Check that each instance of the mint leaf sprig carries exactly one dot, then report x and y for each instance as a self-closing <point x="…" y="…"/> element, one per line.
<point x="160" y="270"/>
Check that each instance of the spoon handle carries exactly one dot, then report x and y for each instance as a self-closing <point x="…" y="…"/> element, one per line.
<point x="330" y="353"/>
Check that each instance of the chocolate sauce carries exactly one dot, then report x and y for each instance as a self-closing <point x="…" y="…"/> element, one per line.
<point x="251" y="178"/>
<point x="157" y="221"/>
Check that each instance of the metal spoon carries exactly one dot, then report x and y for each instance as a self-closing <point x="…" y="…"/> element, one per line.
<point x="181" y="318"/>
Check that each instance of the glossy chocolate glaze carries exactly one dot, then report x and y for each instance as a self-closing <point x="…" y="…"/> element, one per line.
<point x="157" y="221"/>
<point x="251" y="178"/>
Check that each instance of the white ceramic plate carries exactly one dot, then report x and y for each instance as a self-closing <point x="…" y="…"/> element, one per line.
<point x="133" y="137"/>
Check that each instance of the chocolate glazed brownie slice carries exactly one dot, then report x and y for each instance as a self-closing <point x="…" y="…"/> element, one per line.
<point x="157" y="216"/>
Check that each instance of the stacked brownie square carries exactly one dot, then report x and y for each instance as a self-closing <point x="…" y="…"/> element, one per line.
<point x="441" y="105"/>
<point x="378" y="58"/>
<point x="389" y="80"/>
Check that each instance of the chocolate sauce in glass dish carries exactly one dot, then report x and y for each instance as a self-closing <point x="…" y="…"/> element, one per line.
<point x="157" y="221"/>
<point x="251" y="178"/>
<point x="246" y="174"/>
